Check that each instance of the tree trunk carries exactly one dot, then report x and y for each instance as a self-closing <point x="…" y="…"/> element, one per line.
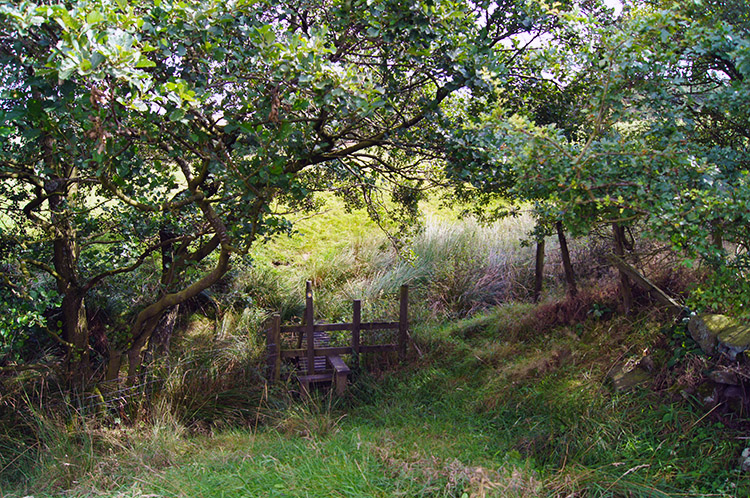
<point x="147" y="320"/>
<point x="135" y="353"/>
<point x="717" y="237"/>
<point x="570" y="278"/>
<point x="625" y="285"/>
<point x="161" y="337"/>
<point x="75" y="329"/>
<point x="539" y="270"/>
<point x="76" y="334"/>
<point x="114" y="362"/>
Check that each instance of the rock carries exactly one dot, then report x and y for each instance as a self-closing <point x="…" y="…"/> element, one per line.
<point x="745" y="460"/>
<point x="734" y="399"/>
<point x="625" y="380"/>
<point x="704" y="329"/>
<point x="708" y="393"/>
<point x="724" y="377"/>
<point x="647" y="363"/>
<point x="734" y="340"/>
<point x="720" y="334"/>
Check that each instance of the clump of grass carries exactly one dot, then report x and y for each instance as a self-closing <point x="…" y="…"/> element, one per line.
<point x="78" y="452"/>
<point x="460" y="268"/>
<point x="215" y="374"/>
<point x="312" y="417"/>
<point x="268" y="288"/>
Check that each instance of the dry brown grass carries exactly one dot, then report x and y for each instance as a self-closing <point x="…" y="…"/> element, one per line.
<point x="451" y="477"/>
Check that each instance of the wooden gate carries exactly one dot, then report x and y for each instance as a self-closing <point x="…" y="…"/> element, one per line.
<point x="317" y="361"/>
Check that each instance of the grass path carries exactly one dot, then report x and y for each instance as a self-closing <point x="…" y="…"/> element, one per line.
<point x="470" y="420"/>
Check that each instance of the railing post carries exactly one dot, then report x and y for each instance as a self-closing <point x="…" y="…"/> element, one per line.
<point x="273" y="345"/>
<point x="310" y="329"/>
<point x="356" y="321"/>
<point x="403" y="321"/>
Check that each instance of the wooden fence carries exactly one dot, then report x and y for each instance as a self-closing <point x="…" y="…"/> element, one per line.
<point x="315" y="338"/>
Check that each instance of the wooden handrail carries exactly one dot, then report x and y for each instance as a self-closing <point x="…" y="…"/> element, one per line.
<point x="334" y="327"/>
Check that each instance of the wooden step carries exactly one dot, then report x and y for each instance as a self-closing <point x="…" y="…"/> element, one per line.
<point x="306" y="380"/>
<point x="342" y="371"/>
<point x="339" y="376"/>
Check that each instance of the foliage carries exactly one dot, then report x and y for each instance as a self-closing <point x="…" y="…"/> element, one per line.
<point x="165" y="136"/>
<point x="657" y="134"/>
<point x="25" y="325"/>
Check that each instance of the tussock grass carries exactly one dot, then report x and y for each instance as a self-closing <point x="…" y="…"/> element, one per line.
<point x="461" y="267"/>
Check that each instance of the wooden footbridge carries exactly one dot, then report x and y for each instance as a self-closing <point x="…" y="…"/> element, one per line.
<point x="320" y="362"/>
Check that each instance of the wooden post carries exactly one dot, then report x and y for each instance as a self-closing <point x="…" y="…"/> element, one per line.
<point x="570" y="278"/>
<point x="310" y="329"/>
<point x="403" y="321"/>
<point x="276" y="330"/>
<point x="539" y="270"/>
<point x="356" y="321"/>
<point x="273" y="343"/>
<point x="619" y="250"/>
<point x="646" y="284"/>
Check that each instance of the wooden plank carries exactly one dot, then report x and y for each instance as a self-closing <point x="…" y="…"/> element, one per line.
<point x="306" y="380"/>
<point x="309" y="329"/>
<point x="341" y="373"/>
<point x="403" y="321"/>
<point x="379" y="326"/>
<point x="379" y="348"/>
<point x="318" y="327"/>
<point x="302" y="353"/>
<point x="335" y="327"/>
<point x="340" y="382"/>
<point x="316" y="377"/>
<point x="339" y="366"/>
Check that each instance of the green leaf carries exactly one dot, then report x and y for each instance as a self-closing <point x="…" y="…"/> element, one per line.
<point x="177" y="115"/>
<point x="96" y="59"/>
<point x="94" y="17"/>
<point x="145" y="62"/>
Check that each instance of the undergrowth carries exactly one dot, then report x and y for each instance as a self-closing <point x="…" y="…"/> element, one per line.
<point x="499" y="397"/>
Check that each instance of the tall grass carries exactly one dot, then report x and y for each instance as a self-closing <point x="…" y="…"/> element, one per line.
<point x="460" y="267"/>
<point x="505" y="398"/>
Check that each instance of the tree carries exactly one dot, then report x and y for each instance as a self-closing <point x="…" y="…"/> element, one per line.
<point x="662" y="136"/>
<point x="148" y="142"/>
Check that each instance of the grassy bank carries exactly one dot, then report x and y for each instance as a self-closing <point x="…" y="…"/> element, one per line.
<point x="493" y="408"/>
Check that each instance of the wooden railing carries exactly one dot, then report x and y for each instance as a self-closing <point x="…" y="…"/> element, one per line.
<point x="309" y="330"/>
